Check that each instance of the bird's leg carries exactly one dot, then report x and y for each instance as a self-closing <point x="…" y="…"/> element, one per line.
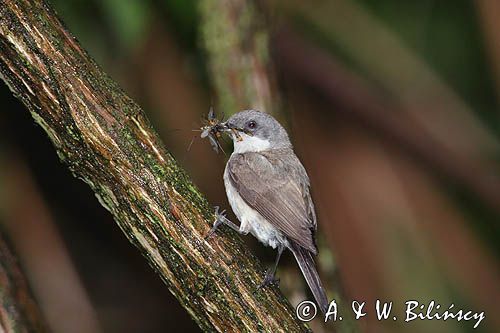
<point x="220" y="218"/>
<point x="270" y="279"/>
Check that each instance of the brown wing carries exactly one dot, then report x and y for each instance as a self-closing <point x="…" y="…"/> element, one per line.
<point x="276" y="186"/>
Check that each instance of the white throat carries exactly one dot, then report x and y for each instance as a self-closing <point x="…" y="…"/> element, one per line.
<point x="250" y="144"/>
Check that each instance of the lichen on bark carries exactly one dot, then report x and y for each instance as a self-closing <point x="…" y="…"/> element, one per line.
<point x="105" y="139"/>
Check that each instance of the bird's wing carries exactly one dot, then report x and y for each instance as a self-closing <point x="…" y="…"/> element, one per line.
<point x="278" y="190"/>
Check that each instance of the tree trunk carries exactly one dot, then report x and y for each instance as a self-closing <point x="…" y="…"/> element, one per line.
<point x="106" y="140"/>
<point x="237" y="42"/>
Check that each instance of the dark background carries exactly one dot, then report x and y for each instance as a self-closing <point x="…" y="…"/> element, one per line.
<point x="403" y="159"/>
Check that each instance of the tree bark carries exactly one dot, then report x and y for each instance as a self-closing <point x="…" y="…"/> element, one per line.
<point x="105" y="140"/>
<point x="18" y="310"/>
<point x="237" y="42"/>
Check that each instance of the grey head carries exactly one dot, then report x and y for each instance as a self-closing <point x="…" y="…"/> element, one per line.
<point x="260" y="132"/>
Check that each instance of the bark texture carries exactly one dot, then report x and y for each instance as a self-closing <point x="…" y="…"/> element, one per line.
<point x="105" y="140"/>
<point x="18" y="310"/>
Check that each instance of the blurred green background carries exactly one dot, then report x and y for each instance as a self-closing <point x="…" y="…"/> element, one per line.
<point x="393" y="106"/>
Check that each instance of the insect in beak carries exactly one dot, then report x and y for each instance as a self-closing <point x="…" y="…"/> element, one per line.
<point x="236" y="131"/>
<point x="212" y="129"/>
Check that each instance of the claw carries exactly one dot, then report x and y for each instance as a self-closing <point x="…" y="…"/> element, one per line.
<point x="269" y="280"/>
<point x="218" y="221"/>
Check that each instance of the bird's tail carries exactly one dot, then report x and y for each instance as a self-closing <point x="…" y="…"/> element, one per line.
<point x="306" y="263"/>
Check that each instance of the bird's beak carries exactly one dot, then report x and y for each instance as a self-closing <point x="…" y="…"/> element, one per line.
<point x="234" y="130"/>
<point x="228" y="127"/>
<point x="225" y="127"/>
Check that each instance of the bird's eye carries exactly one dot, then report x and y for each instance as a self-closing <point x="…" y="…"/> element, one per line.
<point x="251" y="124"/>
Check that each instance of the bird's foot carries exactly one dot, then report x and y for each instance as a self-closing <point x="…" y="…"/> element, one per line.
<point x="219" y="219"/>
<point x="270" y="279"/>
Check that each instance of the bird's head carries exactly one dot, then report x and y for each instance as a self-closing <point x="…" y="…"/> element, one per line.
<point x="254" y="131"/>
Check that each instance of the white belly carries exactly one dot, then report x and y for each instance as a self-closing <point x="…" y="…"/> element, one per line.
<point x="251" y="221"/>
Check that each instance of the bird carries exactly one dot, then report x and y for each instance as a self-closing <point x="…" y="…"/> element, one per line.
<point x="268" y="190"/>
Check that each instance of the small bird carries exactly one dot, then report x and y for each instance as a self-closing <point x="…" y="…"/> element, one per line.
<point x="268" y="190"/>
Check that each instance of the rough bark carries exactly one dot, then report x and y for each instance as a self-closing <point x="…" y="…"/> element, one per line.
<point x="105" y="140"/>
<point x="18" y="310"/>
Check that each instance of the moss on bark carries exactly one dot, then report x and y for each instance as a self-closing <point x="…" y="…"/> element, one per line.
<point x="105" y="140"/>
